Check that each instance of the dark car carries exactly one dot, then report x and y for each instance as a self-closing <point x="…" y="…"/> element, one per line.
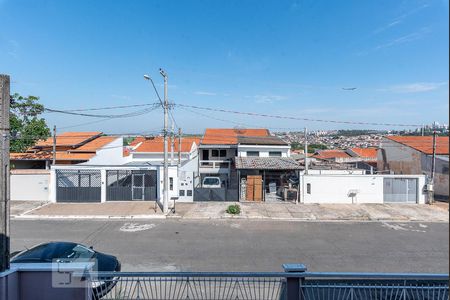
<point x="67" y="252"/>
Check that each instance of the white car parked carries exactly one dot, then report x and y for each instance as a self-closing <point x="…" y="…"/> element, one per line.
<point x="211" y="182"/>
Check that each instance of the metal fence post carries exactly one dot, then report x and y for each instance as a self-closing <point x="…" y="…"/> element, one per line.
<point x="294" y="284"/>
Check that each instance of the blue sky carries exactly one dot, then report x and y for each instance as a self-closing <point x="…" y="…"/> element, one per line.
<point x="280" y="57"/>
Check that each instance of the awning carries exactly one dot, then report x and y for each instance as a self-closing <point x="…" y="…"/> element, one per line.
<point x="267" y="163"/>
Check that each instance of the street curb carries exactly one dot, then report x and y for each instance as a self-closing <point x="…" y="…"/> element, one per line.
<point x="74" y="217"/>
<point x="222" y="217"/>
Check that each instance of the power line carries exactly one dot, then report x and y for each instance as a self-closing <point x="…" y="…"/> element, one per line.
<point x="132" y="114"/>
<point x="111" y="107"/>
<point x="295" y="118"/>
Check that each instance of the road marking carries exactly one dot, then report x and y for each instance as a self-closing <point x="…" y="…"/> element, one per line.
<point x="403" y="227"/>
<point x="135" y="227"/>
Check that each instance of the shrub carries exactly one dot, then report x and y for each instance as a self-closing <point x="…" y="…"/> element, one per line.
<point x="234" y="209"/>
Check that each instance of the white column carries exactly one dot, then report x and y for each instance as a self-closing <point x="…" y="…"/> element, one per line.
<point x="52" y="186"/>
<point x="103" y="185"/>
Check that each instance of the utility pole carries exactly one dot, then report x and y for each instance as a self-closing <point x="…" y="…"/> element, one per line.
<point x="306" y="151"/>
<point x="54" y="145"/>
<point x="172" y="144"/>
<point x="4" y="171"/>
<point x="179" y="147"/>
<point x="166" y="158"/>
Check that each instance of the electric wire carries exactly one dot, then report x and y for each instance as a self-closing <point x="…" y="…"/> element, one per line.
<point x="295" y="118"/>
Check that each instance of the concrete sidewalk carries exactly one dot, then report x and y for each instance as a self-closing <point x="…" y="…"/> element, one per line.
<point x="108" y="210"/>
<point x="258" y="211"/>
<point x="315" y="212"/>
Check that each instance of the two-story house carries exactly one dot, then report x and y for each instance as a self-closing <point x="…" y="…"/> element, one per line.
<point x="233" y="154"/>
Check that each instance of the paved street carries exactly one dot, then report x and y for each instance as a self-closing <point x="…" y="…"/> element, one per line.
<point x="243" y="245"/>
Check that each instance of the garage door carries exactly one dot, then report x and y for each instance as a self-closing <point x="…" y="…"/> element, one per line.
<point x="400" y="190"/>
<point x="78" y="186"/>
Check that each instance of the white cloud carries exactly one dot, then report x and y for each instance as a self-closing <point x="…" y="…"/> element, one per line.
<point x="417" y="87"/>
<point x="121" y="97"/>
<point x="267" y="98"/>
<point x="399" y="19"/>
<point x="405" y="39"/>
<point x="203" y="93"/>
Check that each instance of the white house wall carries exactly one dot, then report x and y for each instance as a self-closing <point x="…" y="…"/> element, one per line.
<point x="263" y="150"/>
<point x="173" y="173"/>
<point x="110" y="154"/>
<point x="336" y="188"/>
<point x="30" y="187"/>
<point x="155" y="157"/>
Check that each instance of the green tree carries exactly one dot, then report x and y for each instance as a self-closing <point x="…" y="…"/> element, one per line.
<point x="26" y="125"/>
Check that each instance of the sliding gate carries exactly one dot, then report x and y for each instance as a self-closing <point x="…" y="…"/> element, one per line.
<point x="78" y="185"/>
<point x="126" y="185"/>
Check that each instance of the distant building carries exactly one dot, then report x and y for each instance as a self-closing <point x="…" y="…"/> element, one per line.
<point x="413" y="155"/>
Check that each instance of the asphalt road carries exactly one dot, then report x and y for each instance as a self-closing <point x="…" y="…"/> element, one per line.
<point x="216" y="245"/>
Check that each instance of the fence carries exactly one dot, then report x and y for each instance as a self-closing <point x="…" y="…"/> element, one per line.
<point x="271" y="286"/>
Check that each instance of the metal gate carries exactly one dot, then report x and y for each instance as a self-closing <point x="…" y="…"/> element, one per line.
<point x="400" y="190"/>
<point x="215" y="194"/>
<point x="126" y="185"/>
<point x="78" y="185"/>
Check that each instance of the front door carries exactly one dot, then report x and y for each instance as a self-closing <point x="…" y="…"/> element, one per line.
<point x="137" y="183"/>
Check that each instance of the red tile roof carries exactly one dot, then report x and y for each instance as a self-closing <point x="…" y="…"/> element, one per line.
<point x="328" y="154"/>
<point x="95" y="144"/>
<point x="156" y="144"/>
<point x="60" y="155"/>
<point x="85" y="146"/>
<point x="424" y="143"/>
<point x="366" y="152"/>
<point x="72" y="139"/>
<point x="229" y="136"/>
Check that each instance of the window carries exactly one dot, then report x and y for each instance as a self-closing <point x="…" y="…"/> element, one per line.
<point x="252" y="153"/>
<point x="215" y="153"/>
<point x="444" y="170"/>
<point x="171" y="183"/>
<point x="181" y="193"/>
<point x="275" y="153"/>
<point x="308" y="188"/>
<point x="223" y="153"/>
<point x="189" y="193"/>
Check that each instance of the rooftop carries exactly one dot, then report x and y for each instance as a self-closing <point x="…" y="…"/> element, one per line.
<point x="95" y="144"/>
<point x="267" y="163"/>
<point x="156" y="144"/>
<point x="229" y="136"/>
<point x="69" y="139"/>
<point x="47" y="155"/>
<point x="261" y="140"/>
<point x="423" y="144"/>
<point x="329" y="154"/>
<point x="366" y="152"/>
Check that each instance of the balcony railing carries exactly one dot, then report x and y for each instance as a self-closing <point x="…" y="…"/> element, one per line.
<point x="272" y="285"/>
<point x="215" y="164"/>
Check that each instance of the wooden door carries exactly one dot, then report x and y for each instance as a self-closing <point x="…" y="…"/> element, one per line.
<point x="254" y="188"/>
